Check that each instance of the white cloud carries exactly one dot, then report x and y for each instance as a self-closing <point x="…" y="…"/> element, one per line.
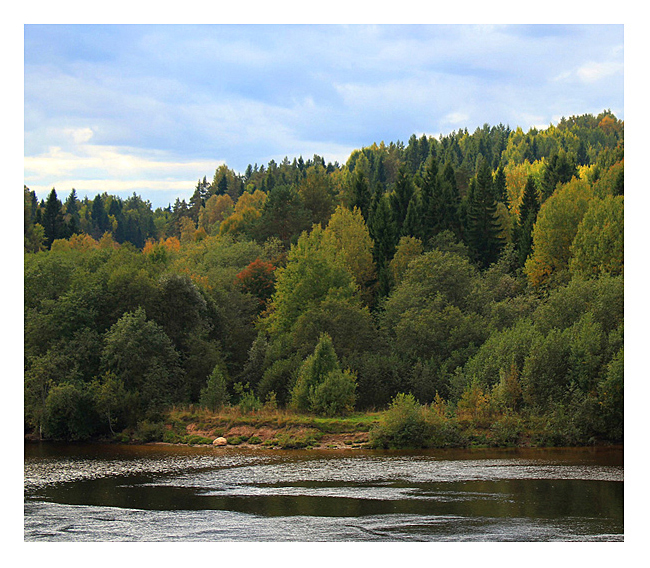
<point x="455" y="119"/>
<point x="114" y="161"/>
<point x="595" y="71"/>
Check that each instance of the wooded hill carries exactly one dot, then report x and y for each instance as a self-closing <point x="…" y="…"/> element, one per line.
<point x="483" y="271"/>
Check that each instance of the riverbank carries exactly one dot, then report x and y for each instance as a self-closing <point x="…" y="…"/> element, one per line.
<point x="417" y="427"/>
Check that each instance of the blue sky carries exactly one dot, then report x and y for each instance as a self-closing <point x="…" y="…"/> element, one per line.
<point x="151" y="109"/>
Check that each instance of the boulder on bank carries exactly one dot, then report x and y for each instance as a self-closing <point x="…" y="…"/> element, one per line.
<point x="220" y="441"/>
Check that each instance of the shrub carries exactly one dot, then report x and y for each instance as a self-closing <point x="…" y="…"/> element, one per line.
<point x="403" y="425"/>
<point x="335" y="395"/>
<point x="248" y="402"/>
<point x="214" y="394"/>
<point x="148" y="431"/>
<point x="69" y="413"/>
<point x="506" y="431"/>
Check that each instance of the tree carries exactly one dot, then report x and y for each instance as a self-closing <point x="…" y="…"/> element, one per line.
<point x="53" y="223"/>
<point x="384" y="235"/>
<point x="99" y="216"/>
<point x="483" y="228"/>
<point x="72" y="213"/>
<point x="554" y="232"/>
<point x="283" y="215"/>
<point x="523" y="229"/>
<point x="598" y="245"/>
<point x="69" y="413"/>
<point x="314" y="272"/>
<point x="360" y="191"/>
<point x="140" y="354"/>
<point x="350" y="237"/>
<point x="407" y="250"/>
<point x="214" y="395"/>
<point x="560" y="169"/>
<point x="401" y="197"/>
<point x="322" y="386"/>
<point x="316" y="193"/>
<point x="500" y="184"/>
<point x="258" y="279"/>
<point x="111" y="399"/>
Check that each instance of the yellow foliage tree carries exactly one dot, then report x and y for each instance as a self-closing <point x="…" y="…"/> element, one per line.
<point x="216" y="209"/>
<point x="348" y="234"/>
<point x="554" y="232"/>
<point x="407" y="249"/>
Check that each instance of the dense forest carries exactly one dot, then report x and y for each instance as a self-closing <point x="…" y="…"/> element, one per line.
<point x="480" y="274"/>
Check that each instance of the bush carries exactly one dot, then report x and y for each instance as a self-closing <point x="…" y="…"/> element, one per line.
<point x="403" y="425"/>
<point x="147" y="431"/>
<point x="506" y="431"/>
<point x="214" y="394"/>
<point x="248" y="402"/>
<point x="335" y="395"/>
<point x="69" y="413"/>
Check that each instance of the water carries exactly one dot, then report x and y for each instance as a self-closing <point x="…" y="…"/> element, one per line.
<point x="164" y="493"/>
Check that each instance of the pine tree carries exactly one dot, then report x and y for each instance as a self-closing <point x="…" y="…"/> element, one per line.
<point x="483" y="230"/>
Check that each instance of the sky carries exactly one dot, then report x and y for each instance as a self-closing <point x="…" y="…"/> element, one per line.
<point x="153" y="108"/>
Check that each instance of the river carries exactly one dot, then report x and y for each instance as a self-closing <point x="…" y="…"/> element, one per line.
<point x="154" y="493"/>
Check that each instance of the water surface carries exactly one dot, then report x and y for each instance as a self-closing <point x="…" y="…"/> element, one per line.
<point x="161" y="493"/>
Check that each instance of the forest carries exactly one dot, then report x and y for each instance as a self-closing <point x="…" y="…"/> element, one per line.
<point x="477" y="277"/>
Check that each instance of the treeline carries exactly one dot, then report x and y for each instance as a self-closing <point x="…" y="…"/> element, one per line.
<point x="484" y="270"/>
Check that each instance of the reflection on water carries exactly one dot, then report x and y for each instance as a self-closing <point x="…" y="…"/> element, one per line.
<point x="155" y="493"/>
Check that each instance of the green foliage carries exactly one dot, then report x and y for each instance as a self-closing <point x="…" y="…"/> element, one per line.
<point x="314" y="272"/>
<point x="247" y="401"/>
<point x="131" y="309"/>
<point x="313" y="372"/>
<point x="69" y="413"/>
<point x="335" y="395"/>
<point x="598" y="245"/>
<point x="215" y="395"/>
<point x="403" y="425"/>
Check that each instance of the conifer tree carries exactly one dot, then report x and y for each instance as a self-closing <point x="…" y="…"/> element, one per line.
<point x="450" y="212"/>
<point x="52" y="220"/>
<point x="431" y="200"/>
<point x="413" y="226"/>
<point x="483" y="230"/>
<point x="72" y="213"/>
<point x="500" y="184"/>
<point x="384" y="234"/>
<point x="401" y="196"/>
<point x="523" y="229"/>
<point x="360" y="193"/>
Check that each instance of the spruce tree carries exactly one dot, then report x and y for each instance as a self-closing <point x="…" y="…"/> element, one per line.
<point x="483" y="230"/>
<point x="523" y="229"/>
<point x="52" y="220"/>
<point x="500" y="184"/>
<point x="450" y="210"/>
<point x="384" y="234"/>
<point x="413" y="225"/>
<point x="431" y="200"/>
<point x="72" y="213"/>
<point x="360" y="193"/>
<point x="401" y="196"/>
